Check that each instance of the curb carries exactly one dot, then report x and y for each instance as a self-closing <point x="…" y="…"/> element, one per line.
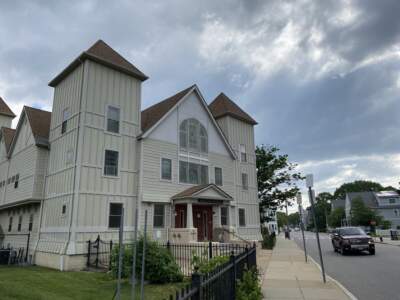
<point x="341" y="286"/>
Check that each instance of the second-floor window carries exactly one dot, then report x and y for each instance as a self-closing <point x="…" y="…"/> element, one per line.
<point x="193" y="136"/>
<point x="218" y="176"/>
<point x="113" y="116"/>
<point x="64" y="120"/>
<point x="111" y="163"/>
<point x="166" y="169"/>
<point x="245" y="181"/>
<point x="193" y="173"/>
<point x="243" y="156"/>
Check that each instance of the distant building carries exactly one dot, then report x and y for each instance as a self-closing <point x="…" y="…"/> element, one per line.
<point x="272" y="224"/>
<point x="338" y="203"/>
<point x="385" y="203"/>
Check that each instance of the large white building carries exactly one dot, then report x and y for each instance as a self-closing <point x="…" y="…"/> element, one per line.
<point x="67" y="175"/>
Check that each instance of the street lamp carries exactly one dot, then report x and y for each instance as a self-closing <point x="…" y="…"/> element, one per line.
<point x="299" y="202"/>
<point x="310" y="183"/>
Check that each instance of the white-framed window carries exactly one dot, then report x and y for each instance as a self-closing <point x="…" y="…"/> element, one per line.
<point x="218" y="176"/>
<point x="392" y="200"/>
<point x="159" y="215"/>
<point x="113" y="118"/>
<point x="243" y="156"/>
<point x="242" y="217"/>
<point x="115" y="215"/>
<point x="193" y="136"/>
<point x="111" y="163"/>
<point x="193" y="173"/>
<point x="245" y="181"/>
<point x="65" y="118"/>
<point x="224" y="216"/>
<point x="166" y="169"/>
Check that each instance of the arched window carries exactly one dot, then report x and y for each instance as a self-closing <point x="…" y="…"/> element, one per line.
<point x="193" y="136"/>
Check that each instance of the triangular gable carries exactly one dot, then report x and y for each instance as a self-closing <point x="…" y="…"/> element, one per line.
<point x="177" y="101"/>
<point x="207" y="191"/>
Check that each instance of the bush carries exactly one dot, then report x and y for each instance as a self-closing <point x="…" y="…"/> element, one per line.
<point x="160" y="265"/>
<point x="269" y="239"/>
<point x="385" y="224"/>
<point x="206" y="266"/>
<point x="249" y="287"/>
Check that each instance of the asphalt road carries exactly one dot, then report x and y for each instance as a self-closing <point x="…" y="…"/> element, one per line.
<point x="368" y="277"/>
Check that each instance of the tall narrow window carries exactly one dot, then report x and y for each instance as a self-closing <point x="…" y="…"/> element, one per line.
<point x="111" y="163"/>
<point x="113" y="116"/>
<point x="193" y="136"/>
<point x="166" y="169"/>
<point x="30" y="223"/>
<point x="218" y="176"/>
<point x="242" y="217"/>
<point x="243" y="156"/>
<point x="158" y="218"/>
<point x="245" y="181"/>
<point x="19" y="223"/>
<point x="115" y="215"/>
<point x="16" y="182"/>
<point x="224" y="216"/>
<point x="65" y="120"/>
<point x="10" y="222"/>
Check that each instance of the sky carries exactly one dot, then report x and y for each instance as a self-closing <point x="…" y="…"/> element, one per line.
<point x="322" y="78"/>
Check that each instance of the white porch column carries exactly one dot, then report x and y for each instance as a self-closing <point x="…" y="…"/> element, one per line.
<point x="189" y="216"/>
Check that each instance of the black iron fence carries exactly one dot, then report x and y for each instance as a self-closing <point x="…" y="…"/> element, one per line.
<point x="220" y="284"/>
<point x="16" y="252"/>
<point x="99" y="254"/>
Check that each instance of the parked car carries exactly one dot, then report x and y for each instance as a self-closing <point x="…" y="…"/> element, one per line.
<point x="346" y="239"/>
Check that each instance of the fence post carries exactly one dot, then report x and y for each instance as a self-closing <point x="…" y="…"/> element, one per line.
<point x="233" y="276"/>
<point x="196" y="283"/>
<point x="255" y="254"/>
<point x="88" y="255"/>
<point x="27" y="247"/>
<point x="210" y="249"/>
<point x="247" y="257"/>
<point x="168" y="245"/>
<point x="109" y="264"/>
<point x="97" y="251"/>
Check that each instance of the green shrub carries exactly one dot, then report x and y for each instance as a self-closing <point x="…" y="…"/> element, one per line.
<point x="269" y="239"/>
<point x="206" y="266"/>
<point x="160" y="265"/>
<point x="249" y="287"/>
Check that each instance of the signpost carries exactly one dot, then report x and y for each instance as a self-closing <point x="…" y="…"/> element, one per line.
<point x="310" y="183"/>
<point x="299" y="202"/>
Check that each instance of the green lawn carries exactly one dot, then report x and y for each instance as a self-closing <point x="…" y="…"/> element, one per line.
<point x="40" y="283"/>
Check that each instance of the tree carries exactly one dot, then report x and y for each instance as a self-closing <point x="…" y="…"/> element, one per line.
<point x="276" y="179"/>
<point x="357" y="186"/>
<point x="336" y="217"/>
<point x="282" y="219"/>
<point x="322" y="210"/>
<point x="361" y="215"/>
<point x="294" y="219"/>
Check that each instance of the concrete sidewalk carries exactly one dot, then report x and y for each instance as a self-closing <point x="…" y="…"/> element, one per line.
<point x="387" y="241"/>
<point x="287" y="276"/>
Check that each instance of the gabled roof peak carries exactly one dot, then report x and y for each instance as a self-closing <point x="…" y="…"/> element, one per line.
<point x="5" y="109"/>
<point x="101" y="53"/>
<point x="224" y="106"/>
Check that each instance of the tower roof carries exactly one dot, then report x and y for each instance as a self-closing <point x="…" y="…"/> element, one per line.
<point x="5" y="109"/>
<point x="103" y="54"/>
<point x="223" y="106"/>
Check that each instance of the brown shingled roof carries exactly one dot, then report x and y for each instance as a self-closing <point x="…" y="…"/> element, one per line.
<point x="103" y="54"/>
<point x="40" y="124"/>
<point x="8" y="135"/>
<point x="223" y="106"/>
<point x="5" y="110"/>
<point x="153" y="114"/>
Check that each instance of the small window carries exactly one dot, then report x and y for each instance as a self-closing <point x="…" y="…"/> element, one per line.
<point x="30" y="223"/>
<point x="64" y="120"/>
<point x="113" y="119"/>
<point x="166" y="169"/>
<point x="242" y="217"/>
<point x="392" y="200"/>
<point x="243" y="156"/>
<point x="115" y="215"/>
<point x="16" y="181"/>
<point x="10" y="222"/>
<point x="224" y="216"/>
<point x="19" y="223"/>
<point x="64" y="209"/>
<point x="111" y="163"/>
<point x="218" y="176"/>
<point x="245" y="181"/>
<point x="158" y="218"/>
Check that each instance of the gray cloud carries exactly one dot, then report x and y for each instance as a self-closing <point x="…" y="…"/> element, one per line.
<point x="321" y="77"/>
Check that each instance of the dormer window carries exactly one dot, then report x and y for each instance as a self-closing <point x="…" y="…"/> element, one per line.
<point x="193" y="136"/>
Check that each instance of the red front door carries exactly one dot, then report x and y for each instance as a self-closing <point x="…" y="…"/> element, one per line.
<point x="202" y="220"/>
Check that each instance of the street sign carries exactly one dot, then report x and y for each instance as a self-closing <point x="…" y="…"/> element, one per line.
<point x="309" y="180"/>
<point x="299" y="200"/>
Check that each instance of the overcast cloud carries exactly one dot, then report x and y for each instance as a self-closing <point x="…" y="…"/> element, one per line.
<point x="321" y="77"/>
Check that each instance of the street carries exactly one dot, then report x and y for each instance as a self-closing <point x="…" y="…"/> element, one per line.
<point x="368" y="277"/>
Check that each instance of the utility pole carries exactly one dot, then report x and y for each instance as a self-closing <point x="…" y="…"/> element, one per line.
<point x="299" y="202"/>
<point x="309" y="183"/>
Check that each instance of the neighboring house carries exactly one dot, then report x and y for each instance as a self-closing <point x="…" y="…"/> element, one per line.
<point x="190" y="165"/>
<point x="272" y="224"/>
<point x="338" y="203"/>
<point x="385" y="203"/>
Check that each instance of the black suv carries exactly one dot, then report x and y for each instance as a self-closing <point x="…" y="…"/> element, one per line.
<point x="346" y="239"/>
